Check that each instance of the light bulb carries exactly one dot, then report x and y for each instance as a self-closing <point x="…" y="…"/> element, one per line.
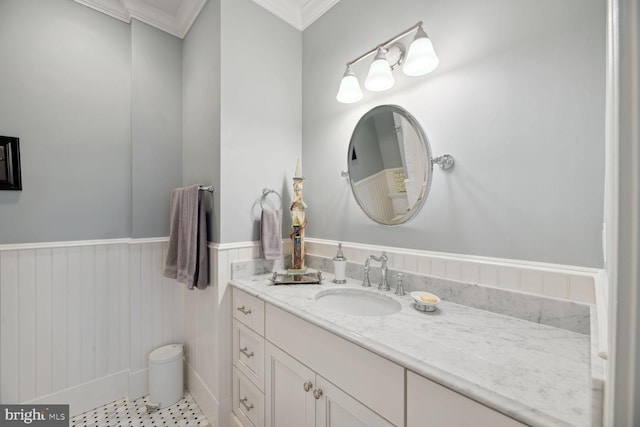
<point x="380" y="77"/>
<point x="421" y="58"/>
<point x="349" y="91"/>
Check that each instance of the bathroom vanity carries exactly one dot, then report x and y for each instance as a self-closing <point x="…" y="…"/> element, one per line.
<point x="297" y="362"/>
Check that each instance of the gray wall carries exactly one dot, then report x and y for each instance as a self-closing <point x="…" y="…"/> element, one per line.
<point x="65" y="91"/>
<point x="201" y="109"/>
<point x="260" y="115"/>
<point x="156" y="122"/>
<point x="242" y="112"/>
<point x="518" y="100"/>
<point x="96" y="104"/>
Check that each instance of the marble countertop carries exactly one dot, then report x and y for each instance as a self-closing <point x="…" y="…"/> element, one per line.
<point x="537" y="374"/>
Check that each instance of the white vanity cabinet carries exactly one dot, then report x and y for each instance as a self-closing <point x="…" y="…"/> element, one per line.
<point x="288" y="372"/>
<point x="248" y="359"/>
<point x="298" y="397"/>
<point x="430" y="404"/>
<point x="315" y="378"/>
<point x="335" y="408"/>
<point x="290" y="388"/>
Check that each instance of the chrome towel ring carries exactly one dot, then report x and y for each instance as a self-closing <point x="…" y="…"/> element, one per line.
<point x="266" y="192"/>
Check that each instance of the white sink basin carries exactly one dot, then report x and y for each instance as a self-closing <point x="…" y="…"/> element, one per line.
<point x="358" y="302"/>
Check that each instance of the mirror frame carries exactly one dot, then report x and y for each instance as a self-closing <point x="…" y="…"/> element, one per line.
<point x="10" y="164"/>
<point x="426" y="149"/>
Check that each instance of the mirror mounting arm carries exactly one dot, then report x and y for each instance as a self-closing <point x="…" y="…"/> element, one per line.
<point x="445" y="161"/>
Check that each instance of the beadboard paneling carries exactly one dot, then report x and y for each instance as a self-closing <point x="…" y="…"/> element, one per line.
<point x="156" y="304"/>
<point x="374" y="192"/>
<point x="75" y="313"/>
<point x="551" y="280"/>
<point x="9" y="330"/>
<point x="208" y="330"/>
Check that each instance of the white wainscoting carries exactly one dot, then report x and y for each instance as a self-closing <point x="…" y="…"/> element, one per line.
<point x="552" y="280"/>
<point x="374" y="191"/>
<point x="76" y="315"/>
<point x="208" y="334"/>
<point x="78" y="319"/>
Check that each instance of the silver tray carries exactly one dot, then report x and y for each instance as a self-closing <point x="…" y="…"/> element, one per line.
<point x="296" y="278"/>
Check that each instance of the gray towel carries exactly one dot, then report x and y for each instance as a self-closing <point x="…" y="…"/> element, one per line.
<point x="187" y="258"/>
<point x="271" y="234"/>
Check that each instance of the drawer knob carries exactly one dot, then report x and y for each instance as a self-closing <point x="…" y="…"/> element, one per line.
<point x="307" y="386"/>
<point x="244" y="403"/>
<point x="245" y="351"/>
<point x="317" y="393"/>
<point x="244" y="310"/>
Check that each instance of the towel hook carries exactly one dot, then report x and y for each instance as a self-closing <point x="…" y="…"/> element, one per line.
<point x="266" y="192"/>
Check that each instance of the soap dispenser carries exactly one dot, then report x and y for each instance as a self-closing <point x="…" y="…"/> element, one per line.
<point x="340" y="266"/>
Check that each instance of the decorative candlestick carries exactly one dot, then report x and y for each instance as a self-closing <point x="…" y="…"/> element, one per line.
<point x="298" y="223"/>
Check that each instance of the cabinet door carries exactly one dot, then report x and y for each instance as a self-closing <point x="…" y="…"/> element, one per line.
<point x="430" y="404"/>
<point x="335" y="408"/>
<point x="358" y="372"/>
<point x="289" y="390"/>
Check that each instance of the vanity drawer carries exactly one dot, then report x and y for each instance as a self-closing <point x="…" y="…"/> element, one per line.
<point x="248" y="401"/>
<point x="249" y="310"/>
<point x="248" y="353"/>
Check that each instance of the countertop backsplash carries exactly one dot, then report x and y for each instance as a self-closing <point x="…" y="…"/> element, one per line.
<point x="559" y="313"/>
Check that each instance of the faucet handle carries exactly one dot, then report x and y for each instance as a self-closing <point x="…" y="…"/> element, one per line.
<point x="365" y="280"/>
<point x="399" y="286"/>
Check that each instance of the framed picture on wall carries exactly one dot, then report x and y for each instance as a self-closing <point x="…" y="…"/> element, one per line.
<point x="10" y="177"/>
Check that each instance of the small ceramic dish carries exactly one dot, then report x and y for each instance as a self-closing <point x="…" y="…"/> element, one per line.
<point x="424" y="301"/>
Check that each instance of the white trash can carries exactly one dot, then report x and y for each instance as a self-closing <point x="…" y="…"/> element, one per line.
<point x="166" y="385"/>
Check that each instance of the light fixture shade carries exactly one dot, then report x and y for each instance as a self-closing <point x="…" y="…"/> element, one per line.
<point x="380" y="77"/>
<point x="349" y="91"/>
<point x="421" y="58"/>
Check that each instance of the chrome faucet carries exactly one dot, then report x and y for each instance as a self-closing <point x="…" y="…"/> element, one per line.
<point x="384" y="286"/>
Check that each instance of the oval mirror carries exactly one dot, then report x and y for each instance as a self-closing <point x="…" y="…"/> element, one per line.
<point x="389" y="165"/>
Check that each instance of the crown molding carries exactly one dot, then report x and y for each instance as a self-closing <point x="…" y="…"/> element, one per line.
<point x="295" y="14"/>
<point x="177" y="24"/>
<point x="113" y="8"/>
<point x="314" y="9"/>
<point x="298" y="13"/>
<point x="287" y="10"/>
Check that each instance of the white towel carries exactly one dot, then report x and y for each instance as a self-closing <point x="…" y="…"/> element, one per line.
<point x="271" y="234"/>
<point x="187" y="258"/>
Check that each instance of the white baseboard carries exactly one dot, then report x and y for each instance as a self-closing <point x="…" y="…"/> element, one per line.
<point x="602" y="307"/>
<point x="204" y="398"/>
<point x="91" y="395"/>
<point x="138" y="384"/>
<point x="88" y="396"/>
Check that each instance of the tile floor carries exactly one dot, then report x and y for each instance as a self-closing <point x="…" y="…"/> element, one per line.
<point x="127" y="413"/>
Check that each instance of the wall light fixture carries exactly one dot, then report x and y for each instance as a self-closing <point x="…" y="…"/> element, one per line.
<point x="420" y="60"/>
